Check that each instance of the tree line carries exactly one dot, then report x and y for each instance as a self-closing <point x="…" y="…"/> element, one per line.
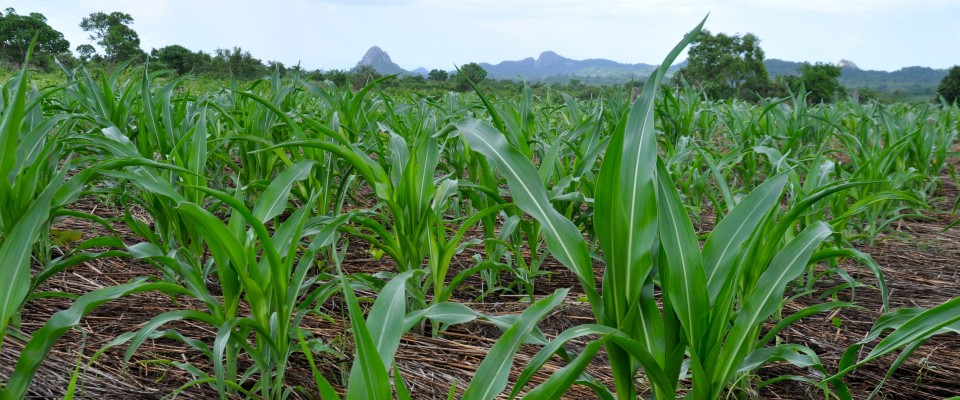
<point x="118" y="43"/>
<point x="732" y="66"/>
<point x="721" y="66"/>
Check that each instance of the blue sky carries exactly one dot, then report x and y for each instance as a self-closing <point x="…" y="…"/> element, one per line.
<point x="875" y="34"/>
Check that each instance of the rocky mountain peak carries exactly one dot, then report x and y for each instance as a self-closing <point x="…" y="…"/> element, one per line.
<point x="548" y="57"/>
<point x="379" y="60"/>
<point x="847" y="64"/>
<point x="373" y="55"/>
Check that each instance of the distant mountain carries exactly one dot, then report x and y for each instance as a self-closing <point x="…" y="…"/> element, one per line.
<point x="847" y="64"/>
<point x="777" y="67"/>
<point x="917" y="82"/>
<point x="908" y="75"/>
<point x="380" y="60"/>
<point x="551" y="66"/>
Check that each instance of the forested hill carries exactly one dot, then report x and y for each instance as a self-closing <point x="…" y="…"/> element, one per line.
<point x="552" y="67"/>
<point x="910" y="81"/>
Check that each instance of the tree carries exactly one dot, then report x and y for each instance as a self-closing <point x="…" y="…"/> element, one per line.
<point x="472" y="71"/>
<point x="362" y="75"/>
<point x="17" y="31"/>
<point x="727" y="66"/>
<point x="277" y="65"/>
<point x="203" y="62"/>
<point x="438" y="75"/>
<point x="176" y="57"/>
<point x="821" y="83"/>
<point x="86" y="52"/>
<point x="113" y="32"/>
<point x="415" y="78"/>
<point x="337" y="76"/>
<point x="950" y="85"/>
<point x="122" y="43"/>
<point x="239" y="63"/>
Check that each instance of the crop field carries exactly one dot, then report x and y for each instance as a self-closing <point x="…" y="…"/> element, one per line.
<point x="287" y="239"/>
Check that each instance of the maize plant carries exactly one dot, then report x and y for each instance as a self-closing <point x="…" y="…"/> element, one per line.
<point x="245" y="204"/>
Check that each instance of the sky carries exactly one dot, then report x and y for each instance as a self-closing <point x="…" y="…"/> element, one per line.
<point x="334" y="34"/>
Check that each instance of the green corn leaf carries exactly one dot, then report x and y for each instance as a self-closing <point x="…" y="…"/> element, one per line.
<point x="38" y="142"/>
<point x="43" y="340"/>
<point x="399" y="157"/>
<point x="229" y="255"/>
<point x="626" y="207"/>
<point x="369" y="169"/>
<point x="294" y="225"/>
<point x="15" y="250"/>
<point x="895" y="319"/>
<point x="562" y="236"/>
<point x="765" y="298"/>
<point x="798" y="356"/>
<point x="14" y="111"/>
<point x="323" y="385"/>
<point x="805" y="312"/>
<point x="625" y="222"/>
<point x="371" y="381"/>
<point x="912" y="326"/>
<point x="148" y="182"/>
<point x="682" y="277"/>
<point x="558" y="383"/>
<point x="554" y="346"/>
<point x="386" y="319"/>
<point x="273" y="200"/>
<point x="728" y="237"/>
<point x="492" y="374"/>
<point x="216" y="233"/>
<point x="866" y="260"/>
<point x="920" y="327"/>
<point x="643" y="356"/>
<point x="280" y="271"/>
<point x="59" y="264"/>
<point x="446" y="313"/>
<point x="287" y="119"/>
<point x="903" y="357"/>
<point x="401" y="387"/>
<point x="224" y="331"/>
<point x="148" y="329"/>
<point x="444" y="192"/>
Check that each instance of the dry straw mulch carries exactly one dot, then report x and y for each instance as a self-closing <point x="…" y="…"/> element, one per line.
<point x="923" y="270"/>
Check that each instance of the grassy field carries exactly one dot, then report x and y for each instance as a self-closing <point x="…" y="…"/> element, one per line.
<point x="293" y="239"/>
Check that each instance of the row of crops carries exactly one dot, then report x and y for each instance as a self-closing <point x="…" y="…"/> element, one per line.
<point x="685" y="221"/>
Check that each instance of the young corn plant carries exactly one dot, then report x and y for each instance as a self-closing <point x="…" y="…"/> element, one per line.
<point x="110" y="101"/>
<point x="270" y="272"/>
<point x="29" y="162"/>
<point x="34" y="189"/>
<point x="257" y="120"/>
<point x="484" y="192"/>
<point x="411" y="228"/>
<point x="912" y="327"/>
<point x="520" y="126"/>
<point x="42" y="341"/>
<point x="715" y="298"/>
<point x="378" y="337"/>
